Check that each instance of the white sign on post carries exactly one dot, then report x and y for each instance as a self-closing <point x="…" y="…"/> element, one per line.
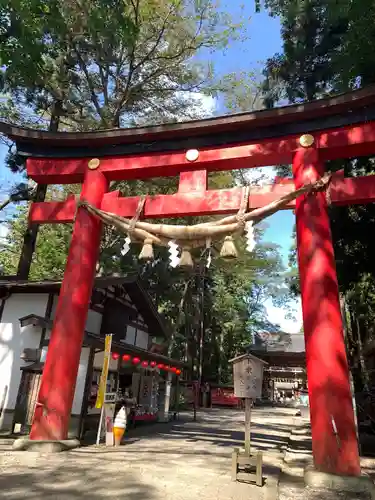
<point x="247" y="376"/>
<point x="106" y="419"/>
<point x="248" y="379"/>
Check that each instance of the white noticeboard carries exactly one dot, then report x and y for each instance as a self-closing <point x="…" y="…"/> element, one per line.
<point x="248" y="376"/>
<point x="105" y="428"/>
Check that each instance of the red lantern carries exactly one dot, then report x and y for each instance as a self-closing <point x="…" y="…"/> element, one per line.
<point x="145" y="364"/>
<point x="173" y="369"/>
<point x="136" y="361"/>
<point x="178" y="372"/>
<point x="153" y="364"/>
<point x="167" y="368"/>
<point x="115" y="355"/>
<point x="126" y="357"/>
<point x="161" y="366"/>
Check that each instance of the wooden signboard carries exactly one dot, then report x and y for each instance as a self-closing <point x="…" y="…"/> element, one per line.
<point x="248" y="376"/>
<point x="248" y="380"/>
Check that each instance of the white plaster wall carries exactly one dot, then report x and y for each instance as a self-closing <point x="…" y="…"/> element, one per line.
<point x="93" y="321"/>
<point x="13" y="339"/>
<point x="138" y="338"/>
<point x="142" y="339"/>
<point x="130" y="335"/>
<point x="81" y="379"/>
<point x="98" y="362"/>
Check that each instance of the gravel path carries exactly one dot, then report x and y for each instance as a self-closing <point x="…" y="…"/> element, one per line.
<point x="179" y="461"/>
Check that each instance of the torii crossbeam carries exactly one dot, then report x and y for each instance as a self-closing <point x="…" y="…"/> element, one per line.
<point x="305" y="136"/>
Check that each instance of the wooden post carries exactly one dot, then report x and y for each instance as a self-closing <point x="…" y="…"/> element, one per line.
<point x="247" y="425"/>
<point x="258" y="469"/>
<point x="177" y="398"/>
<point x="167" y="397"/>
<point x="86" y="392"/>
<point x="235" y="463"/>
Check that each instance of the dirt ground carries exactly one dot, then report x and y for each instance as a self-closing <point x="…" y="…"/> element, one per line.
<point x="297" y="456"/>
<point x="185" y="460"/>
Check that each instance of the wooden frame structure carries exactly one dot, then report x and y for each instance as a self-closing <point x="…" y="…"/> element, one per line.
<point x="241" y="461"/>
<point x="305" y="136"/>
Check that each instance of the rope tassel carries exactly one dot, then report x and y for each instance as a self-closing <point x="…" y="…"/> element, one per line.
<point x="147" y="252"/>
<point x="186" y="259"/>
<point x="228" y="250"/>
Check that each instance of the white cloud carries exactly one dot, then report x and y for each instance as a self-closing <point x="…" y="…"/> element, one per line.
<point x="277" y="315"/>
<point x="207" y="103"/>
<point x="4" y="230"/>
<point x="260" y="175"/>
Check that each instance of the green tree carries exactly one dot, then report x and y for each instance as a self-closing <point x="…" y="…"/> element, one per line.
<point x="73" y="65"/>
<point x="230" y="296"/>
<point x="102" y="64"/>
<point x="327" y="48"/>
<point x="105" y="64"/>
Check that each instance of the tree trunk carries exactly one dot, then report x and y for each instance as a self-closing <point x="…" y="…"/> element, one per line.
<point x="221" y="356"/>
<point x="31" y="233"/>
<point x="201" y="324"/>
<point x="361" y="357"/>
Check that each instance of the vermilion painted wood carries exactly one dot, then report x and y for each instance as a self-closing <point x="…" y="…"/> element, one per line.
<point x="326" y="362"/>
<point x="193" y="181"/>
<point x="53" y="211"/>
<point x="343" y="143"/>
<point x="220" y="202"/>
<point x="327" y="367"/>
<point x="56" y="392"/>
<point x="343" y="191"/>
<point x="352" y="190"/>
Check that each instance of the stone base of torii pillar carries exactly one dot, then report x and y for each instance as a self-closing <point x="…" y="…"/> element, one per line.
<point x="45" y="446"/>
<point x="358" y="485"/>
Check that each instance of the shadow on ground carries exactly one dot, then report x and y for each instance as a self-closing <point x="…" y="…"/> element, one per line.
<point x="179" y="460"/>
<point x="70" y="482"/>
<point x="212" y="428"/>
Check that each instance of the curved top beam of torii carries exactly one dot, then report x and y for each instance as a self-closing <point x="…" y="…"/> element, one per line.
<point x="342" y="110"/>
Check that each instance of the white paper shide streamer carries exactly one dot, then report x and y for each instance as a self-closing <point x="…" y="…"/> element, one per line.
<point x="125" y="249"/>
<point x="173" y="254"/>
<point x="249" y="235"/>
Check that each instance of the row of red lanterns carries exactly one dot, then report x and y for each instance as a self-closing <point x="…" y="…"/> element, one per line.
<point x="146" y="364"/>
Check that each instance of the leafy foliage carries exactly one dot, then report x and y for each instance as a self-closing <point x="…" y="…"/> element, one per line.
<point x="105" y="64"/>
<point x="73" y="65"/>
<point x="327" y="48"/>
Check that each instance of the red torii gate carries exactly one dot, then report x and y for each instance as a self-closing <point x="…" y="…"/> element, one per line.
<point x="304" y="135"/>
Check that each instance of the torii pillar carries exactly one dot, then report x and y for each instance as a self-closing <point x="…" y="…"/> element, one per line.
<point x="56" y="393"/>
<point x="335" y="446"/>
<point x="334" y="439"/>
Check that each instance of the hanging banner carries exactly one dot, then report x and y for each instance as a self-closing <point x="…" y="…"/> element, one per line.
<point x="104" y="375"/>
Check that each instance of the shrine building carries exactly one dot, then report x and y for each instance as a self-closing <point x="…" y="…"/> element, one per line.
<point x="119" y="306"/>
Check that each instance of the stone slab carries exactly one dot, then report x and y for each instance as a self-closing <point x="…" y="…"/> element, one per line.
<point x="354" y="484"/>
<point x="26" y="444"/>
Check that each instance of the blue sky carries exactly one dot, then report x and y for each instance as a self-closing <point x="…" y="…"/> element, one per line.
<point x="264" y="41"/>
